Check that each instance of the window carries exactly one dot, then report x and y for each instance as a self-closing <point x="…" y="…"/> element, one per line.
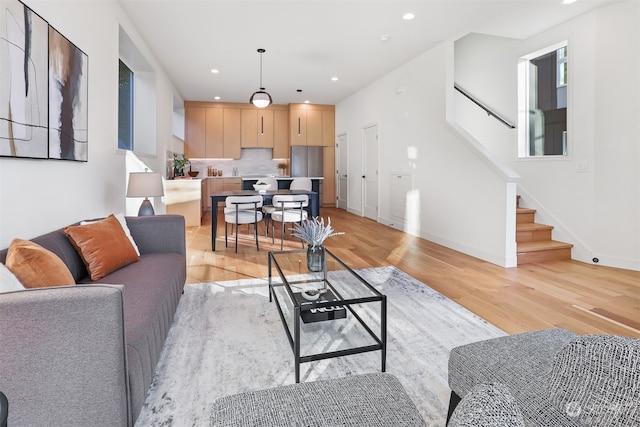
<point x="125" y="108"/>
<point x="543" y="76"/>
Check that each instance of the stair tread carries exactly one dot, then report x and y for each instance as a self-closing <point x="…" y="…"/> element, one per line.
<point x="542" y="245"/>
<point x="525" y="210"/>
<point x="529" y="226"/>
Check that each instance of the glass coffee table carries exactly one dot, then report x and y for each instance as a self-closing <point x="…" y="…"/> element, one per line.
<point x="348" y="317"/>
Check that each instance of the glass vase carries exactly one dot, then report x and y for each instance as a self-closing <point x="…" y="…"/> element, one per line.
<point x="315" y="258"/>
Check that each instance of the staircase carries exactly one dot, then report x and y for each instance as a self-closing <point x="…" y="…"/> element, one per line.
<point x="534" y="240"/>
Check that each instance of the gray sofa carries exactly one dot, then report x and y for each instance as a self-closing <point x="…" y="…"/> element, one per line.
<point x="85" y="355"/>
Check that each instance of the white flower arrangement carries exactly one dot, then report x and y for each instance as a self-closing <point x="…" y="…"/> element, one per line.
<point x="314" y="232"/>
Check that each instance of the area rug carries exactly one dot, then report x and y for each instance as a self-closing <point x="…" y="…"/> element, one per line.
<point x="228" y="338"/>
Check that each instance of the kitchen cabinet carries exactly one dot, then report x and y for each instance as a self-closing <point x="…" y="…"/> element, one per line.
<point x="232" y="130"/>
<point x="307" y="123"/>
<point x="216" y="185"/>
<point x="184" y="197"/>
<point x="214" y="135"/>
<point x="329" y="175"/>
<point x="257" y="128"/>
<point x="281" y="134"/>
<point x="328" y="128"/>
<point x="194" y="132"/>
<point x="212" y="131"/>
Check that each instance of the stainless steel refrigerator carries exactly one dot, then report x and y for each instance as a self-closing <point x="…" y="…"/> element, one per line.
<point x="306" y="161"/>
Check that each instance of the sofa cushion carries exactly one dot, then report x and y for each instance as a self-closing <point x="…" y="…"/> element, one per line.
<point x="487" y="405"/>
<point x="8" y="281"/>
<point x="35" y="266"/>
<point x="103" y="246"/>
<point x="152" y="289"/>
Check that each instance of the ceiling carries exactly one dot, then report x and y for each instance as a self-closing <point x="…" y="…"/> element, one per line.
<point x="308" y="42"/>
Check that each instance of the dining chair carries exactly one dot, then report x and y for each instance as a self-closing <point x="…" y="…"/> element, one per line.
<point x="242" y="210"/>
<point x="289" y="208"/>
<point x="268" y="209"/>
<point x="300" y="184"/>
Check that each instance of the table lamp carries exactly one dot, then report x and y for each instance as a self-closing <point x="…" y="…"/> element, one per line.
<point x="145" y="184"/>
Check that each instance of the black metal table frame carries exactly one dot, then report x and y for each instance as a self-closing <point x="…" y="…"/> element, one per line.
<point x="294" y="341"/>
<point x="313" y="209"/>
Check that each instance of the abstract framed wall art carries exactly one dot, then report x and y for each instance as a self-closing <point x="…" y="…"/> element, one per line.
<point x="68" y="99"/>
<point x="23" y="81"/>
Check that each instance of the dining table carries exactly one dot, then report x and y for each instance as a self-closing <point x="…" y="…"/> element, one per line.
<point x="267" y="195"/>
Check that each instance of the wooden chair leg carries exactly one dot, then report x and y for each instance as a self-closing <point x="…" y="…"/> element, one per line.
<point x="226" y="243"/>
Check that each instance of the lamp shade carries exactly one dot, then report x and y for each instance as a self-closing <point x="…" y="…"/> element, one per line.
<point x="261" y="99"/>
<point x="145" y="184"/>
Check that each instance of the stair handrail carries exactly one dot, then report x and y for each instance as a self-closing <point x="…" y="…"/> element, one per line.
<point x="489" y="111"/>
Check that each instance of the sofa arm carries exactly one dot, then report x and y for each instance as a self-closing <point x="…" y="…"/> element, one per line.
<point x="62" y="356"/>
<point x="158" y="233"/>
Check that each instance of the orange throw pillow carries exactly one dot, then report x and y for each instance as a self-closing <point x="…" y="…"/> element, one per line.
<point x="35" y="266"/>
<point x="103" y="246"/>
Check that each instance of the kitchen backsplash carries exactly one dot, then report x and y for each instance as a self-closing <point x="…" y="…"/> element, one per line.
<point x="253" y="161"/>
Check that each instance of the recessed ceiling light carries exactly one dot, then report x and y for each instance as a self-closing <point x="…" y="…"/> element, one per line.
<point x="334" y="79"/>
<point x="408" y="16"/>
<point x="217" y="98"/>
<point x="568" y="1"/>
<point x="215" y="71"/>
<point x="307" y="101"/>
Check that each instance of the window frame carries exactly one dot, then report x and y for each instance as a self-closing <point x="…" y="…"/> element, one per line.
<point x="131" y="98"/>
<point x="524" y="87"/>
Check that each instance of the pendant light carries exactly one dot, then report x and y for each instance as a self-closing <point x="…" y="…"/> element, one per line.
<point x="260" y="98"/>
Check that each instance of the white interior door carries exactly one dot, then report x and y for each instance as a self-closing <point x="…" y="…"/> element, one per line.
<point x="341" y="171"/>
<point x="370" y="172"/>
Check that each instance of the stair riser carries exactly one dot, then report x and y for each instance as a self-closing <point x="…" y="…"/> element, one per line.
<point x="533" y="236"/>
<point x="525" y="218"/>
<point x="542" y="256"/>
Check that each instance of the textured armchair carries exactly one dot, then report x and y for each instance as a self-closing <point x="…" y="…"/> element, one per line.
<point x="595" y="379"/>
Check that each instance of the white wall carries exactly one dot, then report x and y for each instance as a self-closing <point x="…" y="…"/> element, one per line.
<point x="458" y="198"/>
<point x="37" y="196"/>
<point x="598" y="209"/>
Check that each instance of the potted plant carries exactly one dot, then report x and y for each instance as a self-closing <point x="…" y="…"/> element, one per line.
<point x="179" y="162"/>
<point x="314" y="232"/>
<point x="282" y="167"/>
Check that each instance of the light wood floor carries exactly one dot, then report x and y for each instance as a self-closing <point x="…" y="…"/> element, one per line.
<point x="568" y="294"/>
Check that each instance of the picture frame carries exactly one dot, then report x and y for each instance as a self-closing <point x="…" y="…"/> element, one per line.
<point x="68" y="99"/>
<point x="24" y="83"/>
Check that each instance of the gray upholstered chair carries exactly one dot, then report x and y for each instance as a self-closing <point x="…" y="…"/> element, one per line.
<point x="595" y="380"/>
<point x="289" y="208"/>
<point x="242" y="210"/>
<point x="487" y="405"/>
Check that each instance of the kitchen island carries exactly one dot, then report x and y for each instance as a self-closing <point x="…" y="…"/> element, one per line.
<point x="284" y="182"/>
<point x="184" y="197"/>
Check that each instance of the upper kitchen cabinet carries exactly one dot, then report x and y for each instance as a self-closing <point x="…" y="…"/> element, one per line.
<point x="194" y="132"/>
<point x="280" y="134"/>
<point x="214" y="135"/>
<point x="212" y="130"/>
<point x="232" y="131"/>
<point x="257" y="128"/>
<point x="328" y="128"/>
<point x="307" y="123"/>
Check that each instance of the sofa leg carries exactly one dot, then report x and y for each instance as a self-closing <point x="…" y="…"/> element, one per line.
<point x="453" y="402"/>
